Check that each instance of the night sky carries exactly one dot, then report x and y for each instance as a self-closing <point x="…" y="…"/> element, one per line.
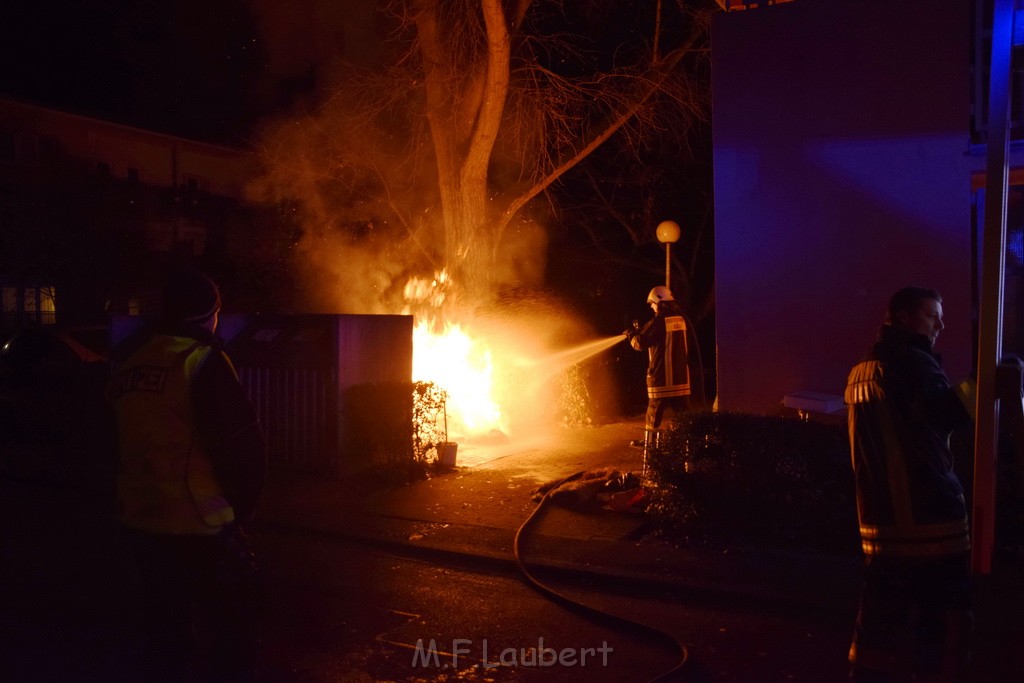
<point x="196" y="68"/>
<point x="205" y="69"/>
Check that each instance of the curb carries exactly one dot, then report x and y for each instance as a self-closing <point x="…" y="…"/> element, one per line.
<point x="544" y="565"/>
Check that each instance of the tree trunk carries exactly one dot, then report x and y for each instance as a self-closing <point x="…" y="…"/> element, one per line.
<point x="464" y="111"/>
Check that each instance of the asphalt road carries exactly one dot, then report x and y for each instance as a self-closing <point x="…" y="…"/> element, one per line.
<point x="339" y="612"/>
<point x="342" y="612"/>
<point x="336" y="612"/>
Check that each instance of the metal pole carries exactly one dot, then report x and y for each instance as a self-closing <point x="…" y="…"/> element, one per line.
<point x="990" y="333"/>
<point x="668" y="265"/>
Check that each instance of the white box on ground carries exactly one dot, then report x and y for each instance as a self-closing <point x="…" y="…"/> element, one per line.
<point x="814" y="402"/>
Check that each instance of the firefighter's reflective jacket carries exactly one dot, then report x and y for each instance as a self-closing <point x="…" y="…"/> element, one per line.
<point x="901" y="412"/>
<point x="183" y="425"/>
<point x="665" y="340"/>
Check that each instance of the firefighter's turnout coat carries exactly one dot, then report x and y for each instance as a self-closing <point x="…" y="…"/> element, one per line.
<point x="191" y="450"/>
<point x="902" y="409"/>
<point x="664" y="338"/>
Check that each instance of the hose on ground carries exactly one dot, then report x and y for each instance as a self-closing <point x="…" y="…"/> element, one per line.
<point x="592" y="613"/>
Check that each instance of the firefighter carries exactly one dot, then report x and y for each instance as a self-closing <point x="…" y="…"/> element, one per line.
<point x="191" y="467"/>
<point x="910" y="503"/>
<point x="664" y="338"/>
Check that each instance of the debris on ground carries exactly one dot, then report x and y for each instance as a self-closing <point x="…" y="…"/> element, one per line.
<point x="602" y="485"/>
<point x="628" y="500"/>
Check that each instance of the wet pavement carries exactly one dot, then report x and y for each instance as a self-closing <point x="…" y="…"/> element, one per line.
<point x="59" y="561"/>
<point x="476" y="510"/>
<point x="354" y="613"/>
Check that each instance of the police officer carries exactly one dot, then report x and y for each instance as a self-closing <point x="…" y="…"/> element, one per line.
<point x="191" y="467"/>
<point x="664" y="338"/>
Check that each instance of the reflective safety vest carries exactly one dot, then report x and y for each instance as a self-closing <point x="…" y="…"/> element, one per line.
<point x="165" y="480"/>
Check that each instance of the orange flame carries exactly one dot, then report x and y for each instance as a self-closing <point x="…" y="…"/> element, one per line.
<point x="464" y="368"/>
<point x="450" y="358"/>
<point x="499" y="373"/>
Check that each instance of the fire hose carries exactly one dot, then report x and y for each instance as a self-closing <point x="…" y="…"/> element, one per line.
<point x="592" y="613"/>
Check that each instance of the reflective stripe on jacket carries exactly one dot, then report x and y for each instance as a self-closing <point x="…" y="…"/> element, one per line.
<point x="165" y="482"/>
<point x="901" y="410"/>
<point x="664" y="338"/>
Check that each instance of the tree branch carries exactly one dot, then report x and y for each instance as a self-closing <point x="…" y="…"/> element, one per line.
<point x="618" y="121"/>
<point x="522" y="6"/>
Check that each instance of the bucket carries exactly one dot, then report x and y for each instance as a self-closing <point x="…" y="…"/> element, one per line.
<point x="446" y="451"/>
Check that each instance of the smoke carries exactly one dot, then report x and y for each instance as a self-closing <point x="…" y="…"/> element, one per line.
<point x="362" y="188"/>
<point x="529" y="331"/>
<point x="364" y="220"/>
<point x="355" y="160"/>
<point x="358" y="172"/>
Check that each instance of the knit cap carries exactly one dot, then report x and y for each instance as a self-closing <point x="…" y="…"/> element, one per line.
<point x="190" y="296"/>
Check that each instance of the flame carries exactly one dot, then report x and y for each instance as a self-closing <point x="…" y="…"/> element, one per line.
<point x="498" y="373"/>
<point x="449" y="357"/>
<point x="464" y="368"/>
<point x="431" y="292"/>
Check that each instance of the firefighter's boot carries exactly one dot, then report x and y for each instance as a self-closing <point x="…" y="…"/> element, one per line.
<point x="653" y="440"/>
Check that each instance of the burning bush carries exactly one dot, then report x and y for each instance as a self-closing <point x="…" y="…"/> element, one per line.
<point x="735" y="479"/>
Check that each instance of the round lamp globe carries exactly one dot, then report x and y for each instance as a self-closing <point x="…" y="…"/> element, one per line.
<point x="668" y="231"/>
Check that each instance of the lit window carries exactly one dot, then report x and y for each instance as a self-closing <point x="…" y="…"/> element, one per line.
<point x="47" y="306"/>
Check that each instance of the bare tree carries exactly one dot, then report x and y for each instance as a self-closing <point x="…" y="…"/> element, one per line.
<point x="483" y="106"/>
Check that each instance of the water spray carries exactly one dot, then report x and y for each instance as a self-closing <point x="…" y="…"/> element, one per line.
<point x="565" y="358"/>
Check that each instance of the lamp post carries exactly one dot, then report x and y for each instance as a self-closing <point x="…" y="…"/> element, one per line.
<point x="668" y="232"/>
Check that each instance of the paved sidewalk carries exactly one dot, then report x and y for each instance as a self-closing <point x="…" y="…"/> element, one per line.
<point x="476" y="510"/>
<point x="473" y="513"/>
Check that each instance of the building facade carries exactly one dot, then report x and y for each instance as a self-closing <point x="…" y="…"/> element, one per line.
<point x="849" y="161"/>
<point x="92" y="211"/>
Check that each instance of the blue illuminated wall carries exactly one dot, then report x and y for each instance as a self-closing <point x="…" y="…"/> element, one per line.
<point x="842" y="173"/>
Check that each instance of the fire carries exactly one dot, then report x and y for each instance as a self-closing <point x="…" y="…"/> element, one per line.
<point x="500" y="371"/>
<point x="464" y="368"/>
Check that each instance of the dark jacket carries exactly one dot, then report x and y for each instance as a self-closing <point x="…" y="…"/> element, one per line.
<point x="665" y="340"/>
<point x="902" y="409"/>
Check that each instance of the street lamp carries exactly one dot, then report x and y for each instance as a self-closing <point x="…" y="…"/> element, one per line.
<point x="668" y="232"/>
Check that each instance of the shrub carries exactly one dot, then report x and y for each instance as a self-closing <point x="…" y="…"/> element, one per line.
<point x="429" y="421"/>
<point x="736" y="479"/>
<point x="378" y="438"/>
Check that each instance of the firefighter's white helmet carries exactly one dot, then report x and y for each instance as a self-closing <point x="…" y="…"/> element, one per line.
<point x="659" y="294"/>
